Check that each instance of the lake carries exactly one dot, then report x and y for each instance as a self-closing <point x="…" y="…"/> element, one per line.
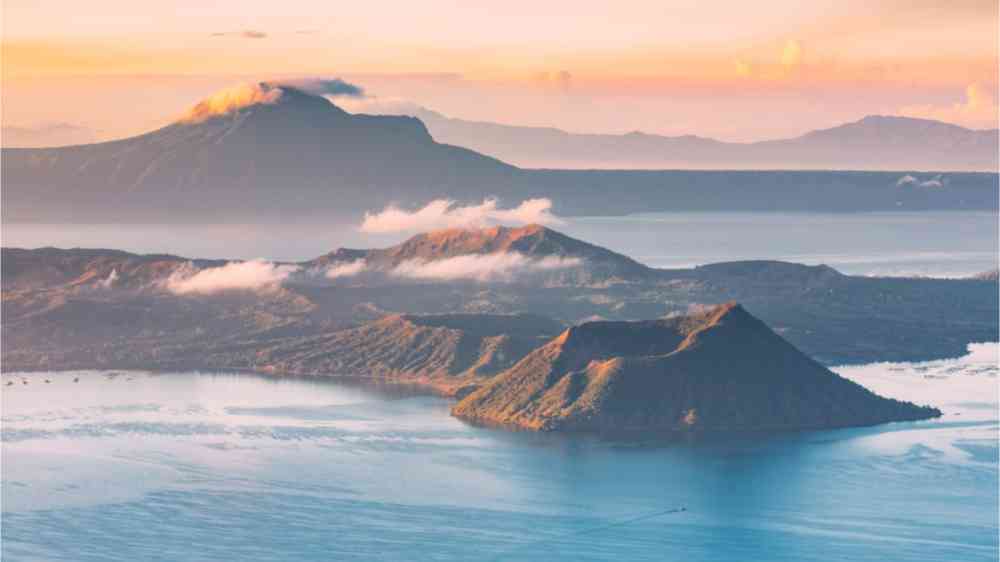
<point x="938" y="244"/>
<point x="186" y="466"/>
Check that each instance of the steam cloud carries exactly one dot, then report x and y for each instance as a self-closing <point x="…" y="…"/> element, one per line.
<point x="481" y="267"/>
<point x="445" y="213"/>
<point x="231" y="100"/>
<point x="334" y="87"/>
<point x="346" y="269"/>
<point x="254" y="275"/>
<point x="109" y="281"/>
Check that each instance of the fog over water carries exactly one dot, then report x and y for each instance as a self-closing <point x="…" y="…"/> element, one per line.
<point x="227" y="467"/>
<point x="937" y="244"/>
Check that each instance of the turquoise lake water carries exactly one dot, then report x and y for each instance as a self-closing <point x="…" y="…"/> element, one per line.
<point x="183" y="466"/>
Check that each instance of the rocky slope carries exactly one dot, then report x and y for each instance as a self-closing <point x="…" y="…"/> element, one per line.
<point x="720" y="369"/>
<point x="449" y="352"/>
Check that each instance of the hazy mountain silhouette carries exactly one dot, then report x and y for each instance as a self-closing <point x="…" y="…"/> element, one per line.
<point x="50" y="134"/>
<point x="301" y="156"/>
<point x="289" y="155"/>
<point x="876" y="142"/>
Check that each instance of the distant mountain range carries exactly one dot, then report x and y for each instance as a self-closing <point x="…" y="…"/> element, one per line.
<point x="52" y="134"/>
<point x="876" y="142"/>
<point x="297" y="156"/>
<point x="92" y="308"/>
<point x="720" y="369"/>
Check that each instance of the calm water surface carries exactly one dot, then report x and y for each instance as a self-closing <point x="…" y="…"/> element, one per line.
<point x="185" y="466"/>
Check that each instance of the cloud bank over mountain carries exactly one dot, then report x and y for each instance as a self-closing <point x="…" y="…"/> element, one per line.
<point x="502" y="266"/>
<point x="497" y="267"/>
<point x="446" y="213"/>
<point x="253" y="275"/>
<point x="346" y="269"/>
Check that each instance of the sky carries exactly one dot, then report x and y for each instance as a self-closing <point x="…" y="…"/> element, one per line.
<point x="731" y="70"/>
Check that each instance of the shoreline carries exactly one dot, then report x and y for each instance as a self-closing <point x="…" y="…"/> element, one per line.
<point x="424" y="386"/>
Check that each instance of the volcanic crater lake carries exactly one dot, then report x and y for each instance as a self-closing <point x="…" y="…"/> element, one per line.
<point x="131" y="466"/>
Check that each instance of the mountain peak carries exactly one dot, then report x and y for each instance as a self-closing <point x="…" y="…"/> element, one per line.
<point x="476" y="240"/>
<point x="484" y="232"/>
<point x="233" y="100"/>
<point x="902" y="120"/>
<point x="880" y="129"/>
<point x="563" y="260"/>
<point x="730" y="314"/>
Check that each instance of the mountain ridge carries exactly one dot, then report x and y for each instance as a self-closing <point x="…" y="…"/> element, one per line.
<point x="550" y="147"/>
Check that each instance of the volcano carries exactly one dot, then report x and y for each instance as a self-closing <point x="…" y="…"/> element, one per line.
<point x="717" y="370"/>
<point x="260" y="149"/>
<point x="574" y="262"/>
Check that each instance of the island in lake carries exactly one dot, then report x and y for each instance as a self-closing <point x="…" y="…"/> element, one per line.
<point x="719" y="369"/>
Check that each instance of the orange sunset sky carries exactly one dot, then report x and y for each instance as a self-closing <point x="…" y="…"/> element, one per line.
<point x="731" y="70"/>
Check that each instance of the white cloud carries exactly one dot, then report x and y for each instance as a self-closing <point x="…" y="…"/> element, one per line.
<point x="503" y="266"/>
<point x="254" y="275"/>
<point x="978" y="109"/>
<point x="346" y="269"/>
<point x="908" y="180"/>
<point x="445" y="213"/>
